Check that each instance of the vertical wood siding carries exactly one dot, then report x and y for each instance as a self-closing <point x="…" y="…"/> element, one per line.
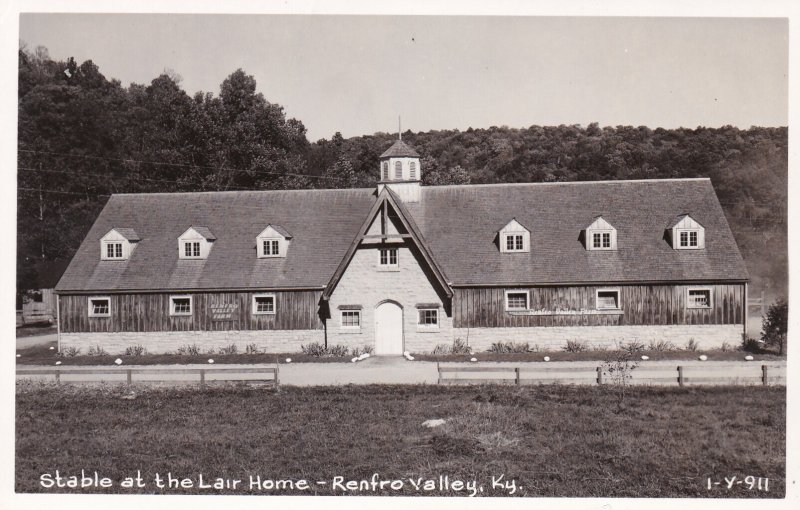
<point x="150" y="312"/>
<point x="641" y="305"/>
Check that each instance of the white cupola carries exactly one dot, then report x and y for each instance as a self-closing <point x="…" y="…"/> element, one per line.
<point x="401" y="171"/>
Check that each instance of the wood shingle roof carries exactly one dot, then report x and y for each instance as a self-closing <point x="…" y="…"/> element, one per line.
<point x="458" y="225"/>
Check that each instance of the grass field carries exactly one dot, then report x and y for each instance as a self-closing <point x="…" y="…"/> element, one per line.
<point x="551" y="440"/>
<point x="42" y="355"/>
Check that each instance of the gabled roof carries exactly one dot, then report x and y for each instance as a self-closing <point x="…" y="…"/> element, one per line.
<point x="600" y="224"/>
<point x="203" y="231"/>
<point x="512" y="223"/>
<point x="460" y="222"/>
<point x="128" y="233"/>
<point x="388" y="198"/>
<point x="322" y="221"/>
<point x="400" y="150"/>
<point x="686" y="220"/>
<point x="455" y="227"/>
<point x="279" y="229"/>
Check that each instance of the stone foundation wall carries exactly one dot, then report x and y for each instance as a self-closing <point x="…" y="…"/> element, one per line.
<point x="288" y="340"/>
<point x="555" y="338"/>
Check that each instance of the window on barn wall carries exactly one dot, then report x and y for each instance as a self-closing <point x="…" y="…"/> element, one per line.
<point x="263" y="304"/>
<point x="608" y="299"/>
<point x="99" y="307"/>
<point x="351" y="318"/>
<point x="516" y="300"/>
<point x="698" y="298"/>
<point x="180" y="305"/>
<point x="429" y="317"/>
<point x="388" y="257"/>
<point x="398" y="170"/>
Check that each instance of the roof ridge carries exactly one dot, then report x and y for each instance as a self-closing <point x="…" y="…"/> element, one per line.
<point x="241" y="192"/>
<point x="565" y="183"/>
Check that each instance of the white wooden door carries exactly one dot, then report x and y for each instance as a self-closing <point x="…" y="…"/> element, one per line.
<point x="388" y="329"/>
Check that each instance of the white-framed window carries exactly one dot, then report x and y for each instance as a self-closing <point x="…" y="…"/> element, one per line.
<point x="601" y="240"/>
<point x="180" y="305"/>
<point x="688" y="238"/>
<point x="385" y="169"/>
<point x="191" y="249"/>
<point x="270" y="247"/>
<point x="516" y="300"/>
<point x="263" y="304"/>
<point x="698" y="297"/>
<point x="398" y="170"/>
<point x="351" y="318"/>
<point x="113" y="250"/>
<point x="388" y="257"/>
<point x="607" y="299"/>
<point x="428" y="317"/>
<point x="412" y="169"/>
<point x="515" y="242"/>
<point x="100" y="306"/>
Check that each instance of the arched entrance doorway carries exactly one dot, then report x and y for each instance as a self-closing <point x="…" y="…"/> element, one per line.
<point x="388" y="328"/>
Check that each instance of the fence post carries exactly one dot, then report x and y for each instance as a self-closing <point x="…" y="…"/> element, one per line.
<point x="764" y="374"/>
<point x="438" y="374"/>
<point x="599" y="375"/>
<point x="516" y="376"/>
<point x="680" y="375"/>
<point x="129" y="375"/>
<point x="277" y="373"/>
<point x="202" y="378"/>
<point x="58" y="376"/>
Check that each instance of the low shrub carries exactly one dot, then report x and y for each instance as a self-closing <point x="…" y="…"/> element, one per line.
<point x="71" y="351"/>
<point x="441" y="349"/>
<point x="632" y="346"/>
<point x="364" y="349"/>
<point x="751" y="345"/>
<point x="692" y="345"/>
<point x="460" y="347"/>
<point x="228" y="349"/>
<point x="251" y="349"/>
<point x="661" y="345"/>
<point x="135" y="350"/>
<point x="338" y="351"/>
<point x="510" y="347"/>
<point x="576" y="346"/>
<point x="319" y="350"/>
<point x="96" y="350"/>
<point x="188" y="350"/>
<point x="313" y="349"/>
<point x="726" y="347"/>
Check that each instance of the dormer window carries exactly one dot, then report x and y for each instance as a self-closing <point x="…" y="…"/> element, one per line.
<point x="514" y="238"/>
<point x="195" y="243"/>
<point x="601" y="235"/>
<point x="273" y="242"/>
<point x="687" y="234"/>
<point x="118" y="244"/>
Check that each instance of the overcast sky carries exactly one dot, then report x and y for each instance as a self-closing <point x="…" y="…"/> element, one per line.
<point x="356" y="74"/>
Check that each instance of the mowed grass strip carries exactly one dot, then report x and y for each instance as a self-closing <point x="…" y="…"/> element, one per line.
<point x="552" y="440"/>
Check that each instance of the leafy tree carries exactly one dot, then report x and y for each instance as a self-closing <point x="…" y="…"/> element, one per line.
<point x="775" y="325"/>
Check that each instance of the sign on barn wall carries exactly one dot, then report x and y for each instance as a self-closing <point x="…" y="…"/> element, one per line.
<point x="223" y="312"/>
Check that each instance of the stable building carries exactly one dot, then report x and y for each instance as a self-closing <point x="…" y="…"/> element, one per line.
<point x="406" y="267"/>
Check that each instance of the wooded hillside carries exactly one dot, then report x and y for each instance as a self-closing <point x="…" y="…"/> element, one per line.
<point x="83" y="137"/>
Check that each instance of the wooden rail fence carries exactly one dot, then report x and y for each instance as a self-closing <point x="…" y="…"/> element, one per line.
<point x="596" y="375"/>
<point x="269" y="375"/>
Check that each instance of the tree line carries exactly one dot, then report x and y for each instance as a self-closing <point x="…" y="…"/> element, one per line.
<point x="83" y="137"/>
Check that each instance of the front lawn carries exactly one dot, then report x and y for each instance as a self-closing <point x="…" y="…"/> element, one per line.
<point x="550" y="440"/>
